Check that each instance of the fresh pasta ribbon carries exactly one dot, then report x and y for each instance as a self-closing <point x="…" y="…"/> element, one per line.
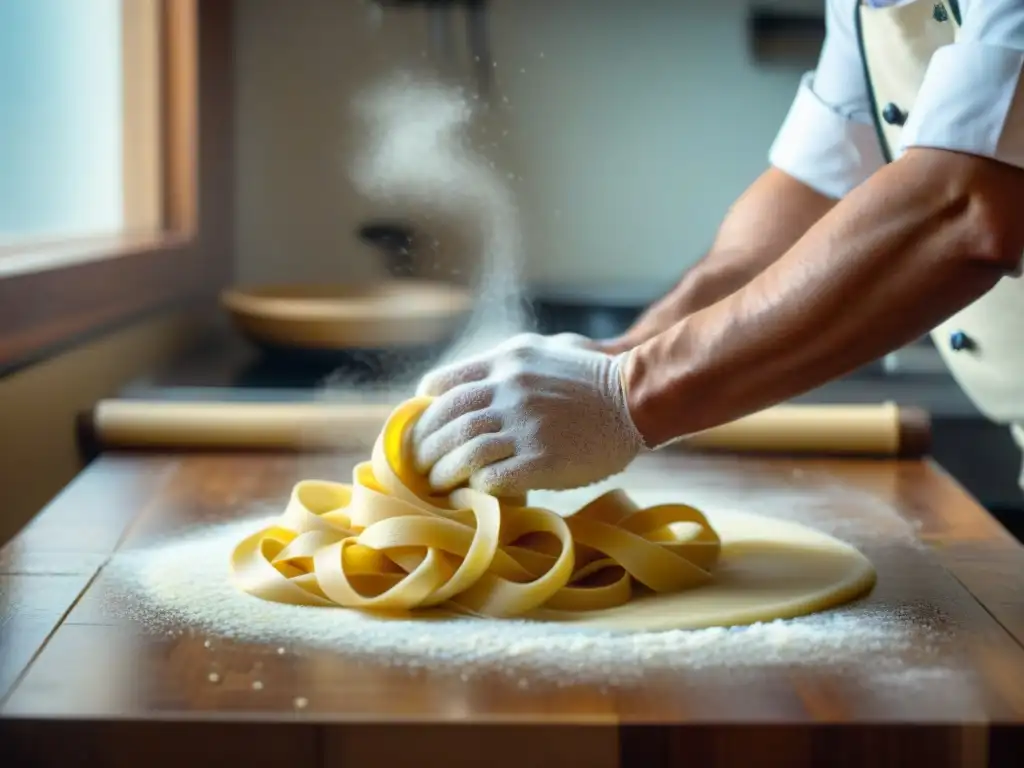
<point x="386" y="543"/>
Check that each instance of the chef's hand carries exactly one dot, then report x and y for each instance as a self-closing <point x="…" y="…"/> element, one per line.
<point x="534" y="413"/>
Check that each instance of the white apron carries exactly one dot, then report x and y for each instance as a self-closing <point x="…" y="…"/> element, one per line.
<point x="983" y="345"/>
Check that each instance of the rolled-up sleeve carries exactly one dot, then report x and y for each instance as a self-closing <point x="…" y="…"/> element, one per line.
<point x="828" y="140"/>
<point x="972" y="99"/>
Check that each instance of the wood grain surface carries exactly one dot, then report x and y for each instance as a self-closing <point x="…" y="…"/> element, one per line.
<point x="81" y="684"/>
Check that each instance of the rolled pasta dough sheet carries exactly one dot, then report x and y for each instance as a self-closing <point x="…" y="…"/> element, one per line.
<point x="768" y="569"/>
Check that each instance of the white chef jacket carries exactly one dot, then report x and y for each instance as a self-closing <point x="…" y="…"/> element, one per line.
<point x="972" y="99"/>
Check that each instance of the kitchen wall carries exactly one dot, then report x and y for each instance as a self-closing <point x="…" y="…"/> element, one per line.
<point x="623" y="130"/>
<point x="39" y="404"/>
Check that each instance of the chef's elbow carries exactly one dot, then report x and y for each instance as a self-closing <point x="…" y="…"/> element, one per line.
<point x="989" y="236"/>
<point x="993" y="220"/>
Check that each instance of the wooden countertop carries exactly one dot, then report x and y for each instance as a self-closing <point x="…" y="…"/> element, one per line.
<point x="83" y="685"/>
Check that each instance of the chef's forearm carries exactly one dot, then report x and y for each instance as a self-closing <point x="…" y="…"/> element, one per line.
<point x="766" y="220"/>
<point x="920" y="240"/>
<point x="764" y="223"/>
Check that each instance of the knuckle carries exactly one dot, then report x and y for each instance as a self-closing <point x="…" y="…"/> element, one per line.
<point x="488" y="391"/>
<point x="532" y="402"/>
<point x="473" y="425"/>
<point x="484" y="394"/>
<point x="526" y="339"/>
<point x="568" y="339"/>
<point x="521" y="377"/>
<point x="428" y="385"/>
<point x="521" y="354"/>
<point x="489" y="482"/>
<point x="468" y="429"/>
<point x="466" y="396"/>
<point x="490" y="420"/>
<point x="532" y="398"/>
<point x="529" y="378"/>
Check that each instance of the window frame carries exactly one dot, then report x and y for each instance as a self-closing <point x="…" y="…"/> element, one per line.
<point x="56" y="294"/>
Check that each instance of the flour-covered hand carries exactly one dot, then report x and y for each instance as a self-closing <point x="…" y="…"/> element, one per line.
<point x="535" y="413"/>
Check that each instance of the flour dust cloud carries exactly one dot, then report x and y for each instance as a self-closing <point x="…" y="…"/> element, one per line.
<point x="420" y="157"/>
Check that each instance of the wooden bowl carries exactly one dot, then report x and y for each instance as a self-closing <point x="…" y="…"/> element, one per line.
<point x="391" y="315"/>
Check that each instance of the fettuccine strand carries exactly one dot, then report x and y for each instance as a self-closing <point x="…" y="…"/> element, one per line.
<point x="385" y="543"/>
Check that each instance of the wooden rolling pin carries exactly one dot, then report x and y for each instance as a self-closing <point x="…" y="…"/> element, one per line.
<point x="866" y="430"/>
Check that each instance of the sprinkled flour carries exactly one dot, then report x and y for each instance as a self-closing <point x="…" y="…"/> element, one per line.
<point x="184" y="582"/>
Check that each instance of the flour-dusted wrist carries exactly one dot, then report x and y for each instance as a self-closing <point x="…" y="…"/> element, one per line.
<point x="618" y="394"/>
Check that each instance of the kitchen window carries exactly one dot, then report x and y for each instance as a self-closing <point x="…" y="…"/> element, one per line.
<point x="115" y="172"/>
